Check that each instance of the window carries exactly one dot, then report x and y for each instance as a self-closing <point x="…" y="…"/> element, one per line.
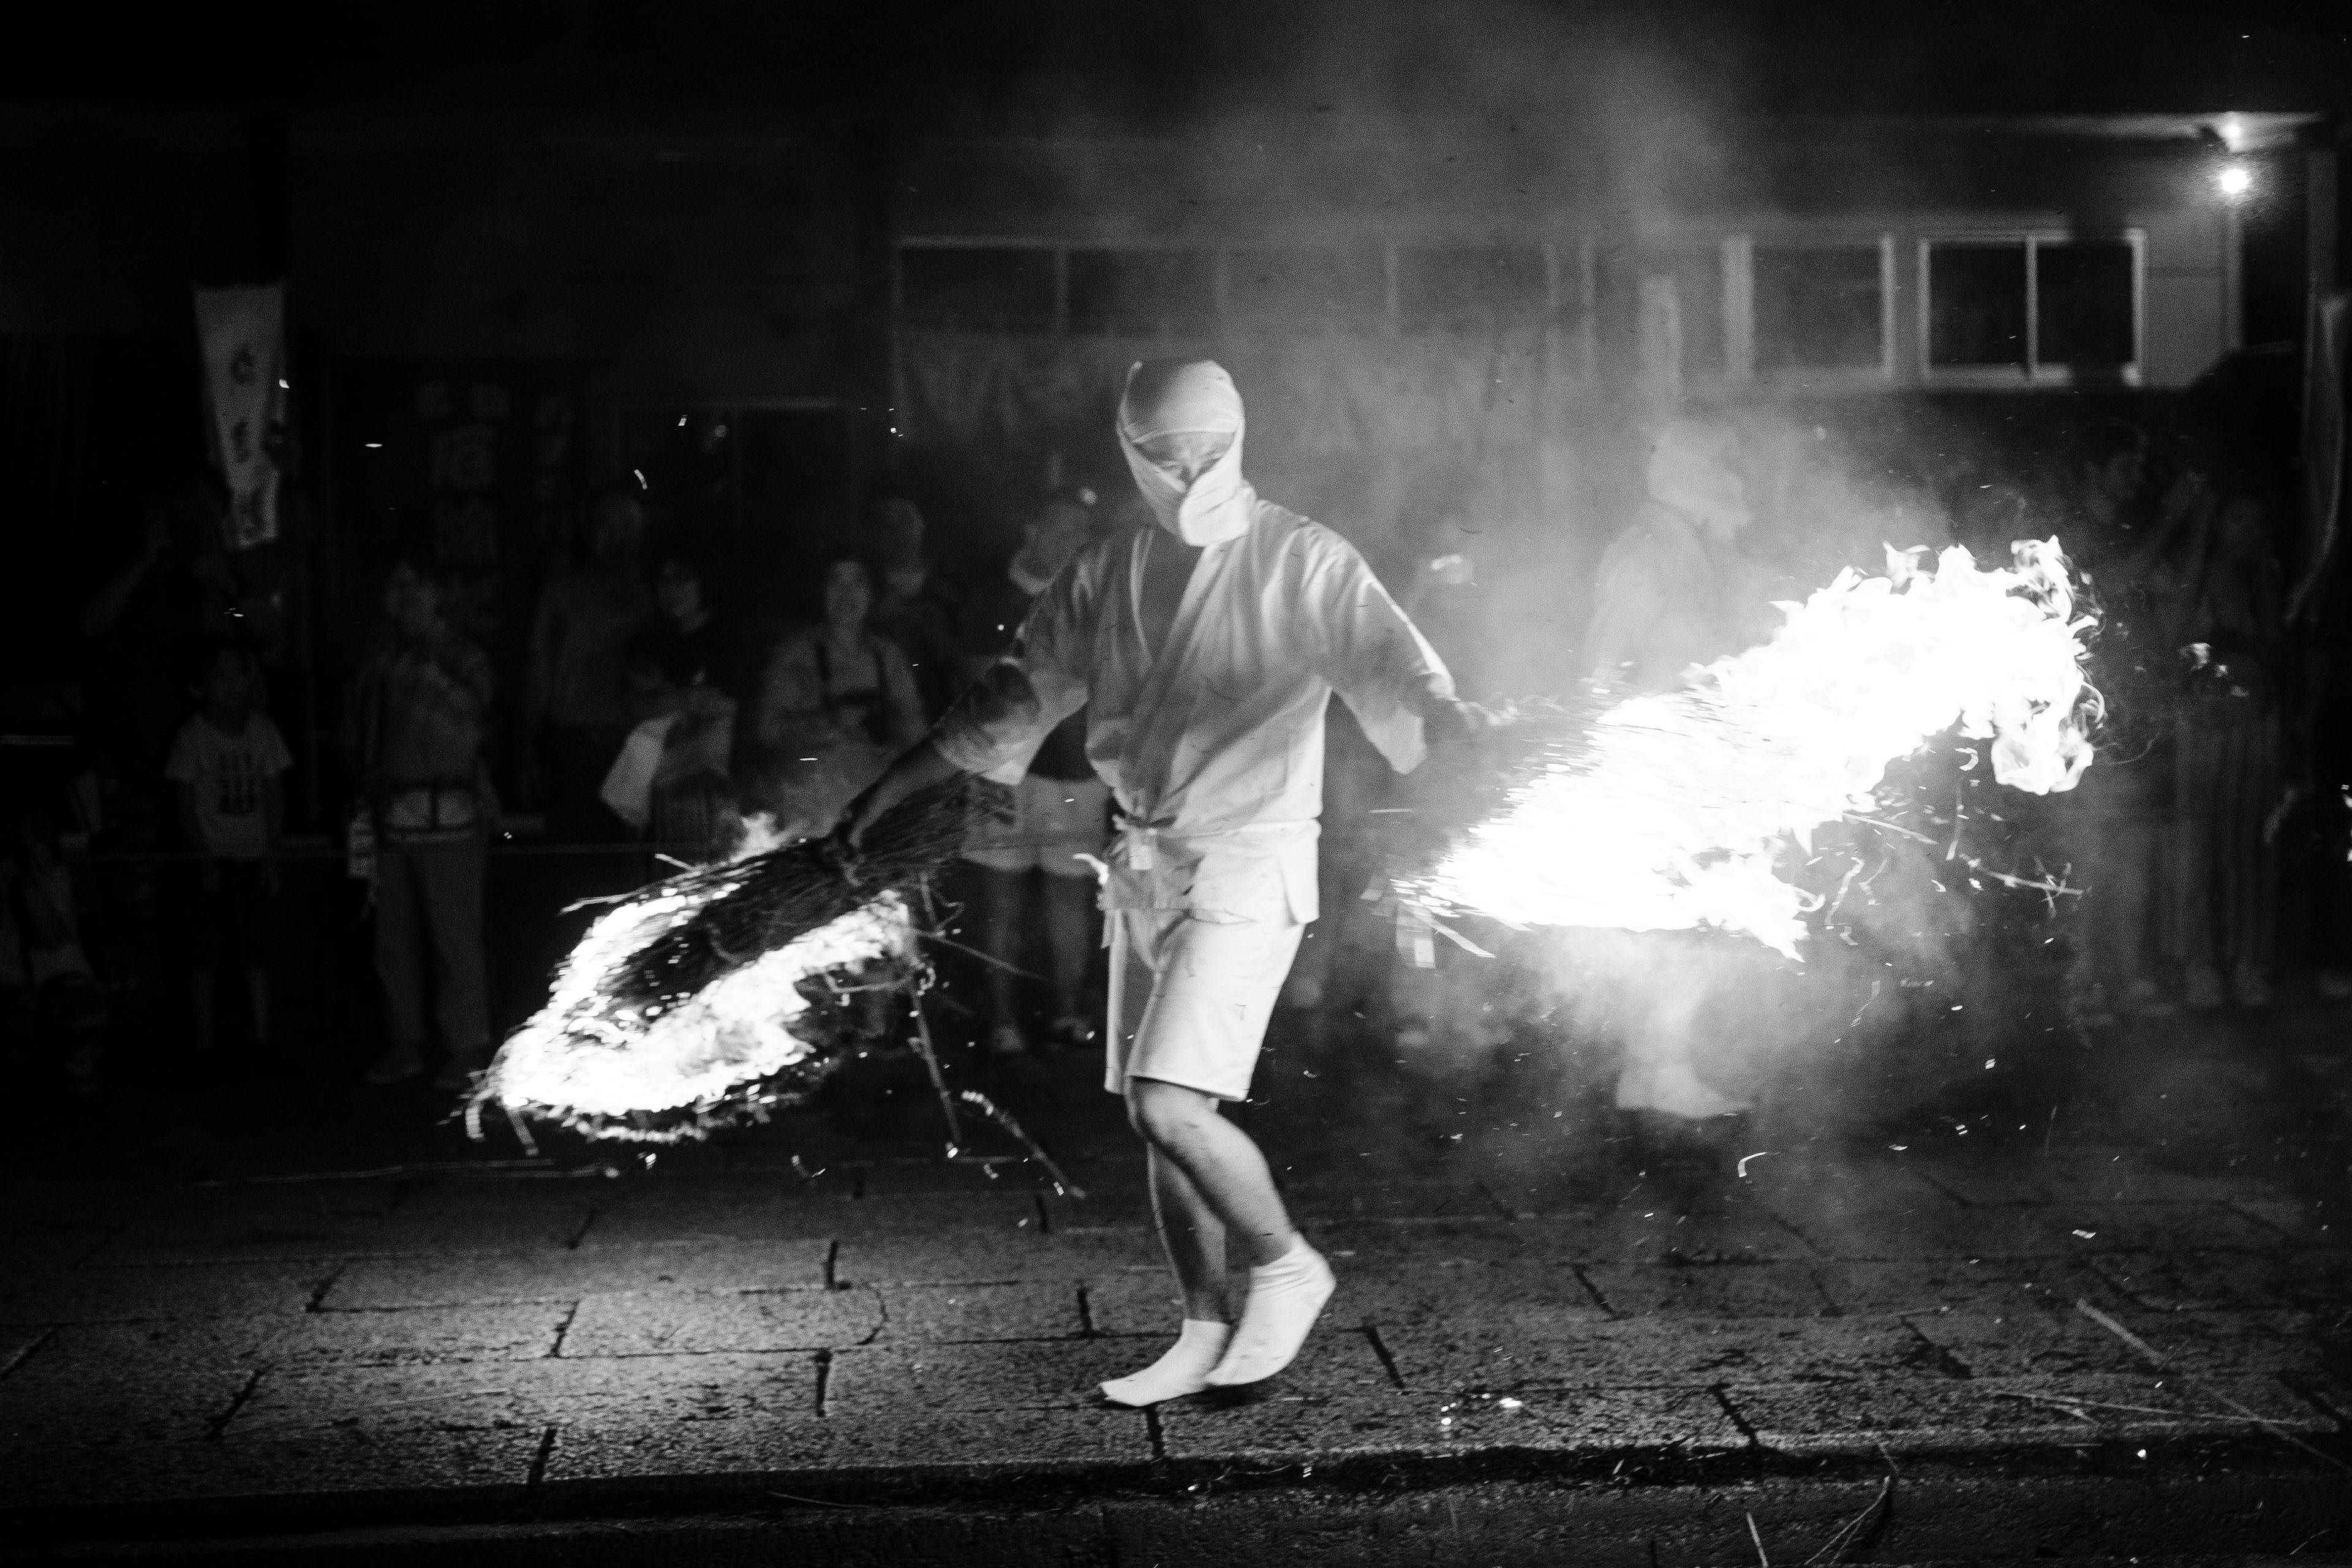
<point x="1697" y="275"/>
<point x="1818" y="307"/>
<point x="977" y="283"/>
<point x="1976" y="305"/>
<point x="1306" y="286"/>
<point x="2082" y="303"/>
<point x="1443" y="285"/>
<point x="2043" y="307"/>
<point x="1142" y="290"/>
<point x="1149" y="290"/>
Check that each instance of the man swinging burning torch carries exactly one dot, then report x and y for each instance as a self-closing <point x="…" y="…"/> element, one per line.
<point x="1204" y="652"/>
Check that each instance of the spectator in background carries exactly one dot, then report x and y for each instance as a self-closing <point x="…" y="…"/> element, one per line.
<point x="49" y="993"/>
<point x="2121" y="815"/>
<point x="837" y="702"/>
<point x="145" y="623"/>
<point x="1673" y="590"/>
<point x="2228" y="769"/>
<point x="1059" y="812"/>
<point x="227" y="762"/>
<point x="418" y="711"/>
<point x="914" y="607"/>
<point x="575" y="704"/>
<point x="687" y="666"/>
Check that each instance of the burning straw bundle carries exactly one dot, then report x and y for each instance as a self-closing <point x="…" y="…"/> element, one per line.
<point x="1677" y="810"/>
<point x="706" y="998"/>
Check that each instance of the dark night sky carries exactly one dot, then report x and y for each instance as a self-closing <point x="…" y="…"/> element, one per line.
<point x="1031" y="65"/>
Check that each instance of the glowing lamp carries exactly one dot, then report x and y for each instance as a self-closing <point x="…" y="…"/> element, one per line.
<point x="2234" y="180"/>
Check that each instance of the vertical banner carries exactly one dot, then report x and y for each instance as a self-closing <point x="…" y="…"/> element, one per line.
<point x="241" y="336"/>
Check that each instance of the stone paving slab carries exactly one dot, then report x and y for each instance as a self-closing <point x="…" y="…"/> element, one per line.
<point x="1026" y="1309"/>
<point x="1946" y="1283"/>
<point x="1322" y="1199"/>
<point x="1435" y="1243"/>
<point x="788" y="1215"/>
<point x="43" y="1246"/>
<point x="481" y="1216"/>
<point x="2035" y="1343"/>
<point x="928" y="1177"/>
<point x="958" y="1257"/>
<point x="90" y="1295"/>
<point x="361" y="1404"/>
<point x="593" y="1450"/>
<point x="1511" y="1349"/>
<point x="491" y="1462"/>
<point x="1753" y="1234"/>
<point x="1036" y="1375"/>
<point x="106" y="1382"/>
<point x="1305" y="1429"/>
<point x="1941" y="1228"/>
<point x="1747" y="1291"/>
<point x="225" y="1224"/>
<point x="2156" y="1228"/>
<point x="2093" y="1174"/>
<point x="755" y="1324"/>
<point x="15" y="1345"/>
<point x="1399" y="1290"/>
<point x="808" y="1317"/>
<point x="1141" y="1298"/>
<point x="2190" y="1281"/>
<point x="2296" y="1221"/>
<point x="524" y="1333"/>
<point x="561" y="1274"/>
<point x="1921" y="1416"/>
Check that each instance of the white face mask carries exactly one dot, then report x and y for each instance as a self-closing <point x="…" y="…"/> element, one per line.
<point x="1217" y="504"/>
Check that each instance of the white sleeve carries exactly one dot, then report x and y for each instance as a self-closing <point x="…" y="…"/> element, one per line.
<point x="1371" y="653"/>
<point x="1002" y="717"/>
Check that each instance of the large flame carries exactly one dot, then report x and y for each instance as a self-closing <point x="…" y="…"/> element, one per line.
<point x="1674" y="812"/>
<point x="585" y="1054"/>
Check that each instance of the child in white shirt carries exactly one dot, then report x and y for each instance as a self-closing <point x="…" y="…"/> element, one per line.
<point x="228" y="760"/>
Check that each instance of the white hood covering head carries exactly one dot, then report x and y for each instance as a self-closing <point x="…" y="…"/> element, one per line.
<point x="1168" y="397"/>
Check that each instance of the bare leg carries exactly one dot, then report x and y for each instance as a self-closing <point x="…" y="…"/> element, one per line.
<point x="1195" y="1239"/>
<point x="1193" y="1228"/>
<point x="1224" y="1169"/>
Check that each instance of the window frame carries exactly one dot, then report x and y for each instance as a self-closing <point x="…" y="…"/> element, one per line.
<point x="1826" y="377"/>
<point x="1571" y="280"/>
<point x="2034" y="373"/>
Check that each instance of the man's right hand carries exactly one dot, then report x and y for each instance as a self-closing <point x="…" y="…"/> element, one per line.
<point x="916" y="769"/>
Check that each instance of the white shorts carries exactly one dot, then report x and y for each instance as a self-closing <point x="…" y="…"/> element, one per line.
<point x="1054" y="822"/>
<point x="1190" y="999"/>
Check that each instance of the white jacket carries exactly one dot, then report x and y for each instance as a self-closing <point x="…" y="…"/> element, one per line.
<point x="1214" y="750"/>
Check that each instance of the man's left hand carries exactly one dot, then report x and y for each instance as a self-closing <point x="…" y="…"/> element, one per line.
<point x="1454" y="721"/>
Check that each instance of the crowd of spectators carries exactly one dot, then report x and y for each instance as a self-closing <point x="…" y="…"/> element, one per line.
<point x="654" y="711"/>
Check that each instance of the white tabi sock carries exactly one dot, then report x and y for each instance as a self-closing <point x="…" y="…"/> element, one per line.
<point x="1286" y="1297"/>
<point x="1183" y="1370"/>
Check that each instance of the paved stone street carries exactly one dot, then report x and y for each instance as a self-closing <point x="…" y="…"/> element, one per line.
<point x="476" y="1337"/>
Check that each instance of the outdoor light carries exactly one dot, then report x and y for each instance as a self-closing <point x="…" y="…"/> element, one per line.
<point x="2234" y="180"/>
